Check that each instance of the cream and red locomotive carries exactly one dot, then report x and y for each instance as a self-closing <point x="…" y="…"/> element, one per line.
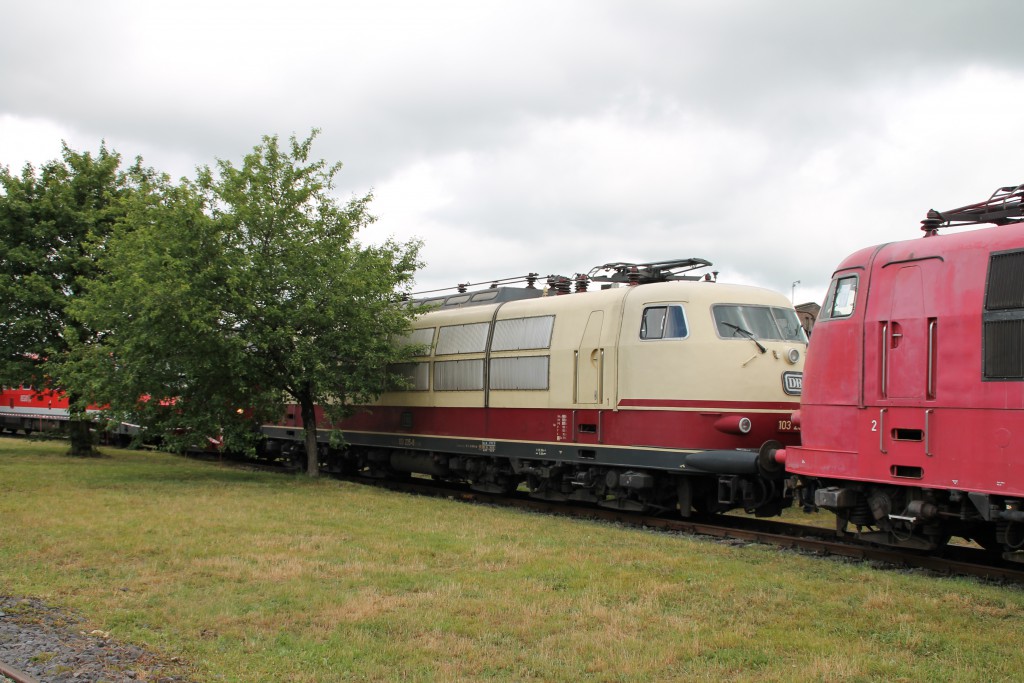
<point x="658" y="392"/>
<point x="912" y="414"/>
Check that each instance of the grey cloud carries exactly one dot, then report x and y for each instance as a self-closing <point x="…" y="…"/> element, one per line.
<point x="782" y="96"/>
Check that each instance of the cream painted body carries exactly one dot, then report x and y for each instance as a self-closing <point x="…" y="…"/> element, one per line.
<point x="598" y="359"/>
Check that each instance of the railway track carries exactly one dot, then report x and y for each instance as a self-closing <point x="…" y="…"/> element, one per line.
<point x="9" y="673"/>
<point x="956" y="561"/>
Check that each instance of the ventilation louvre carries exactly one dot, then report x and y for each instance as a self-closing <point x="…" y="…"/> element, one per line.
<point x="1005" y="281"/>
<point x="1003" y="319"/>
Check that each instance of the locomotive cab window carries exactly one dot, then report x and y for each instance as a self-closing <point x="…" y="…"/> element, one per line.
<point x="664" y="322"/>
<point x="841" y="298"/>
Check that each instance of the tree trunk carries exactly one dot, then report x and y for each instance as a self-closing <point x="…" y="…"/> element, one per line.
<point x="80" y="435"/>
<point x="308" y="409"/>
<point x="79" y="429"/>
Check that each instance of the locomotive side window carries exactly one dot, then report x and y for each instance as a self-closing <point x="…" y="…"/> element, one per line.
<point x="664" y="322"/>
<point x="1003" y="318"/>
<point x="462" y="339"/>
<point x="841" y="298"/>
<point x="413" y="376"/>
<point x="523" y="372"/>
<point x="518" y="334"/>
<point x="422" y="339"/>
<point x="459" y="375"/>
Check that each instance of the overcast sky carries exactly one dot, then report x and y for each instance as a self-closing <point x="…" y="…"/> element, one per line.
<point x="771" y="138"/>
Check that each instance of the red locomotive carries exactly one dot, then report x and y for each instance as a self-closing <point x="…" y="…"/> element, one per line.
<point x="912" y="414"/>
<point x="30" y="410"/>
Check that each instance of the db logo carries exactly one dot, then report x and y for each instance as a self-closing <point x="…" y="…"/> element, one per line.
<point x="793" y="383"/>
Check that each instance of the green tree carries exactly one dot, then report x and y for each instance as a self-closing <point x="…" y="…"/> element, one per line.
<point x="242" y="290"/>
<point x="51" y="222"/>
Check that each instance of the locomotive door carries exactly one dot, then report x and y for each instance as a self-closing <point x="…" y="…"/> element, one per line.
<point x="590" y="361"/>
<point x="905" y="348"/>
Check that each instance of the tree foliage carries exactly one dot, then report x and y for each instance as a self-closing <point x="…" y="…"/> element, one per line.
<point x="232" y="293"/>
<point x="51" y="223"/>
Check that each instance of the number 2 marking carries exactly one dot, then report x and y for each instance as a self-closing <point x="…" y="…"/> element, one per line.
<point x="874" y="425"/>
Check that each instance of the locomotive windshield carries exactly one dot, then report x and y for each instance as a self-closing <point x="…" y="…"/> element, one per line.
<point x="771" y="323"/>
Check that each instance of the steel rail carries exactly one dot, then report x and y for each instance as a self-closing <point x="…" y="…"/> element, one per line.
<point x="16" y="675"/>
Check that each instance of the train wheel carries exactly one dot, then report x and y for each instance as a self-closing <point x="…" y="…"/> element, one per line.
<point x="773" y="508"/>
<point x="704" y="498"/>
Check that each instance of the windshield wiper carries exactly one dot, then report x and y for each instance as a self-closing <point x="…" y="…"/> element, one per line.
<point x="748" y="334"/>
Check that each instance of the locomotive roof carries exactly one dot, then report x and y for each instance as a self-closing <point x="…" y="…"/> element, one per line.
<point x="943" y="245"/>
<point x="694" y="292"/>
<point x="491" y="295"/>
<point x="617" y="273"/>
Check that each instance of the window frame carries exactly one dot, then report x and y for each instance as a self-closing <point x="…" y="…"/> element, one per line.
<point x="642" y="334"/>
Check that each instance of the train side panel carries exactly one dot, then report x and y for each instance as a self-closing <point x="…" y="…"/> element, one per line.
<point x="597" y="381"/>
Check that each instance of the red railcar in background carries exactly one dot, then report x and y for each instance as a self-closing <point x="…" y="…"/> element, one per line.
<point x="912" y="413"/>
<point x="28" y="409"/>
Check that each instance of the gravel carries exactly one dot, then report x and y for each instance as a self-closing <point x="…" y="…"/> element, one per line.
<point x="46" y="643"/>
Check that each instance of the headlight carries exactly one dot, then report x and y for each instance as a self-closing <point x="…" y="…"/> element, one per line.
<point x="734" y="424"/>
<point x="792" y="355"/>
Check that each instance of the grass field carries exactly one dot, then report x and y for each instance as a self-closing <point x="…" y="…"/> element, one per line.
<point x="250" y="576"/>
